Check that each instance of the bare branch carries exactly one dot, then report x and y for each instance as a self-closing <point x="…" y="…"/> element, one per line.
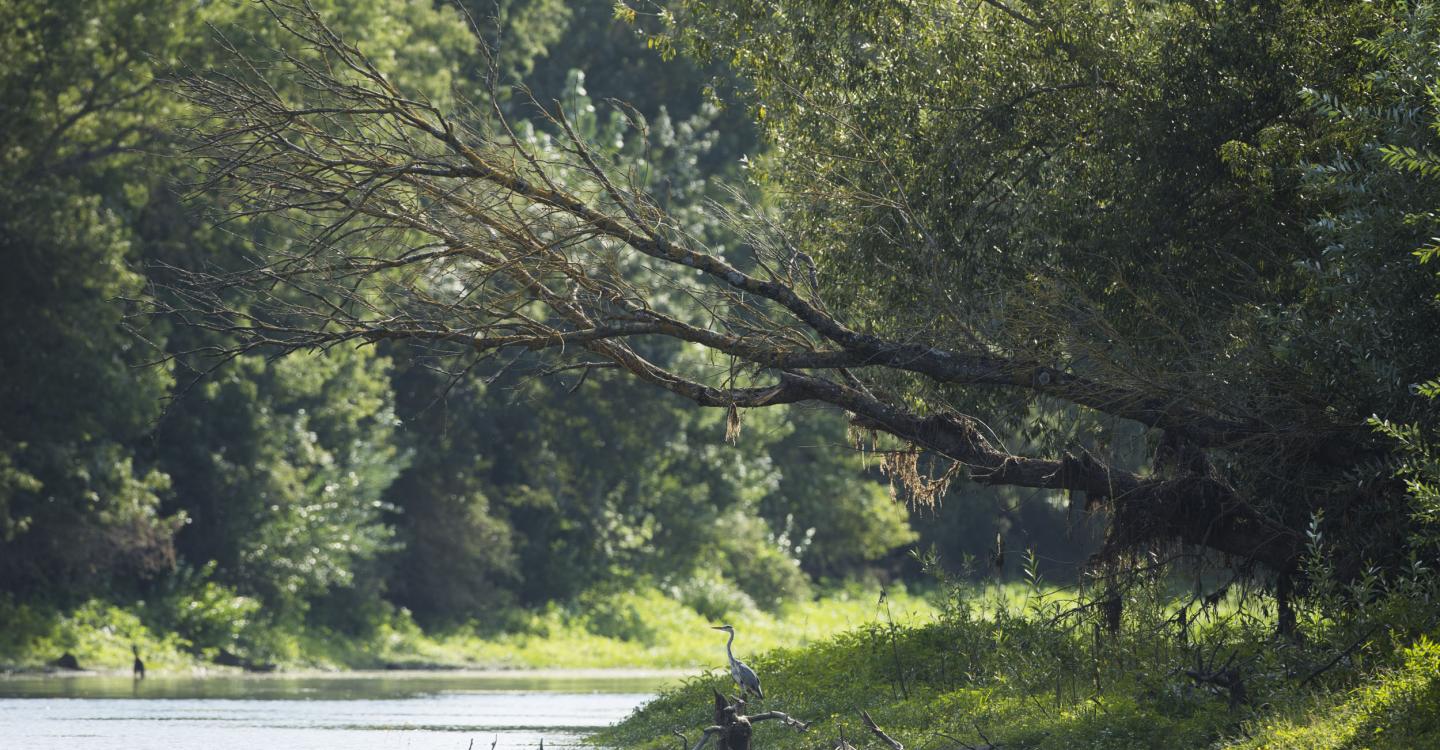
<point x="467" y="236"/>
<point x="875" y="729"/>
<point x="783" y="718"/>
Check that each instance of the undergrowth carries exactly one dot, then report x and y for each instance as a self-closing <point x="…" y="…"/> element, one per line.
<point x="1030" y="667"/>
<point x="639" y="629"/>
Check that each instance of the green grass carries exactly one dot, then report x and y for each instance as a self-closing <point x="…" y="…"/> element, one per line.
<point x="642" y="629"/>
<point x="647" y="629"/>
<point x="1395" y="708"/>
<point x="943" y="700"/>
<point x="1014" y="669"/>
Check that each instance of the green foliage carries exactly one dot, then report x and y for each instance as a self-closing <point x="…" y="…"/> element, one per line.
<point x="1407" y="131"/>
<point x="615" y="49"/>
<point x="1395" y="708"/>
<point x="1029" y="667"/>
<point x="78" y="513"/>
<point x="836" y="523"/>
<point x="641" y="628"/>
<point x="286" y="498"/>
<point x="710" y="594"/>
<point x="98" y="634"/>
<point x="542" y="487"/>
<point x="1134" y="192"/>
<point x="206" y="614"/>
<point x="1151" y="154"/>
<point x="273" y="471"/>
<point x="271" y="498"/>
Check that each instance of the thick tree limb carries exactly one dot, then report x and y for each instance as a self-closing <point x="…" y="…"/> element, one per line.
<point x="422" y="228"/>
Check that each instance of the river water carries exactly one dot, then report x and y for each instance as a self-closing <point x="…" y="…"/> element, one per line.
<point x="351" y="711"/>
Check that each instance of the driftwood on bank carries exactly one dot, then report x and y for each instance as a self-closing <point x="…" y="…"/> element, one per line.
<point x="1221" y="677"/>
<point x="1228" y="680"/>
<point x="733" y="729"/>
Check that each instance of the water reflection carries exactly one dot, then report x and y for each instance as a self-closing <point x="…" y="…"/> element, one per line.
<point x="282" y="712"/>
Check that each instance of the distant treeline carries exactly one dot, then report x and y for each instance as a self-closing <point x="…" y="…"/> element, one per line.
<point x="330" y="488"/>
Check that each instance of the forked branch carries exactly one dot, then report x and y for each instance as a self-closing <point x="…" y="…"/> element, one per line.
<point x="466" y="237"/>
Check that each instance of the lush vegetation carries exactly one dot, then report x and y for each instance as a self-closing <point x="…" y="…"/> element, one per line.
<point x="534" y="333"/>
<point x="241" y="506"/>
<point x="645" y="629"/>
<point x="239" y="502"/>
<point x="1034" y="666"/>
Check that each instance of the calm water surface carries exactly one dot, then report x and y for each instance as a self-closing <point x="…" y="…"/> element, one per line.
<point x="354" y="711"/>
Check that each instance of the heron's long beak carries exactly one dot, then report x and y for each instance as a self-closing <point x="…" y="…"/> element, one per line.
<point x="717" y="627"/>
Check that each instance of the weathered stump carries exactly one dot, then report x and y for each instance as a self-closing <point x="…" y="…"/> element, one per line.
<point x="732" y="729"/>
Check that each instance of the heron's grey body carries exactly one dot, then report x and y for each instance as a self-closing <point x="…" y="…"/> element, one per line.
<point x="745" y="677"/>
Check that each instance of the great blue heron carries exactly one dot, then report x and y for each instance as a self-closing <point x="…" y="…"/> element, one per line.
<point x="139" y="666"/>
<point x="744" y="676"/>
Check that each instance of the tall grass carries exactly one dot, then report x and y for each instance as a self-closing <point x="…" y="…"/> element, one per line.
<point x="1031" y="667"/>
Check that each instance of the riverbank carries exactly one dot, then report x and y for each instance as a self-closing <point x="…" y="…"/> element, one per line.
<point x="642" y="629"/>
<point x="1050" y="675"/>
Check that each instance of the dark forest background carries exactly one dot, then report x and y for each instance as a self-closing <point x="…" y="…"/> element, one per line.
<point x="334" y="488"/>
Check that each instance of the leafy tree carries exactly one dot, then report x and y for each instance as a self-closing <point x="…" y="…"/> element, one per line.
<point x="77" y="510"/>
<point x="621" y="62"/>
<point x="281" y="469"/>
<point x="543" y="487"/>
<point x="88" y="498"/>
<point x="457" y="558"/>
<point x="1091" y="205"/>
<point x="839" y="517"/>
<point x="1385" y="197"/>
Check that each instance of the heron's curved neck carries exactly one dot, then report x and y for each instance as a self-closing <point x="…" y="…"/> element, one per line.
<point x="728" y="652"/>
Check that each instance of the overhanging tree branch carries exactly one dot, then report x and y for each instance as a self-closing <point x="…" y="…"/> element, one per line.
<point x="464" y="234"/>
